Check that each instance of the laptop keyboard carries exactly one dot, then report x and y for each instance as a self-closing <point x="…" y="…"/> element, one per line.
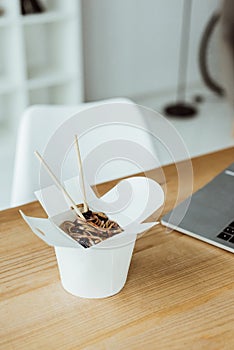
<point x="228" y="233"/>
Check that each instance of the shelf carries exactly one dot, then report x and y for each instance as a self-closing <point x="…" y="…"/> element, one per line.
<point x="61" y="5"/>
<point x="6" y="86"/>
<point x="40" y="57"/>
<point x="39" y="77"/>
<point x="11" y="72"/>
<point x="46" y="17"/>
<point x="51" y="53"/>
<point x="65" y="93"/>
<point x="6" y="21"/>
<point x="10" y="105"/>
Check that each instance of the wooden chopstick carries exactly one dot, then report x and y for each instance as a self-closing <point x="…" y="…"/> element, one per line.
<point x="86" y="207"/>
<point x="60" y="186"/>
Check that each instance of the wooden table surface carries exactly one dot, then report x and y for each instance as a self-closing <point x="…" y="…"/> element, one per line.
<point x="179" y="293"/>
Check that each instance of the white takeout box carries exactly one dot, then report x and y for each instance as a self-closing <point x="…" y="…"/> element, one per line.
<point x="101" y="270"/>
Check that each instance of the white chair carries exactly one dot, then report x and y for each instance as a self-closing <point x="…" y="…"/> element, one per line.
<point x="39" y="123"/>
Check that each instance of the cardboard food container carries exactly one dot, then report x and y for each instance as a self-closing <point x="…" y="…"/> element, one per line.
<point x="101" y="270"/>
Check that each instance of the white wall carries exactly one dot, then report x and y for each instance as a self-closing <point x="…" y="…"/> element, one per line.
<point x="131" y="47"/>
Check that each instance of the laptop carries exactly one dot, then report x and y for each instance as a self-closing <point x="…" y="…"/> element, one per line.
<point x="210" y="215"/>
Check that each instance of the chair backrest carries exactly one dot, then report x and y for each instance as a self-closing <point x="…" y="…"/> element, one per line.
<point x="39" y="123"/>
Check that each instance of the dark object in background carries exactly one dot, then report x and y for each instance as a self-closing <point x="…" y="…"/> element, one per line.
<point x="181" y="108"/>
<point x="206" y="74"/>
<point x="225" y="18"/>
<point x="2" y="12"/>
<point x="198" y="99"/>
<point x="31" y="7"/>
<point x="227" y="48"/>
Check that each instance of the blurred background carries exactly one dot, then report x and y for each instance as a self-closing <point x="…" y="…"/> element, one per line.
<point x="73" y="51"/>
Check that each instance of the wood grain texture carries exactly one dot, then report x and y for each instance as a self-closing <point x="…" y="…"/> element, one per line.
<point x="179" y="293"/>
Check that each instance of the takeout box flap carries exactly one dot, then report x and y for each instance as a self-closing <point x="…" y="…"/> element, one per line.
<point x="54" y="236"/>
<point x="128" y="203"/>
<point x="49" y="233"/>
<point x="132" y="200"/>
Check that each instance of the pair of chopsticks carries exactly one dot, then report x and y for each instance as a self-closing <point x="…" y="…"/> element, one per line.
<point x="61" y="187"/>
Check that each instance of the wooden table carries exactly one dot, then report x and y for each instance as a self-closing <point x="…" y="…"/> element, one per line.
<point x="179" y="293"/>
